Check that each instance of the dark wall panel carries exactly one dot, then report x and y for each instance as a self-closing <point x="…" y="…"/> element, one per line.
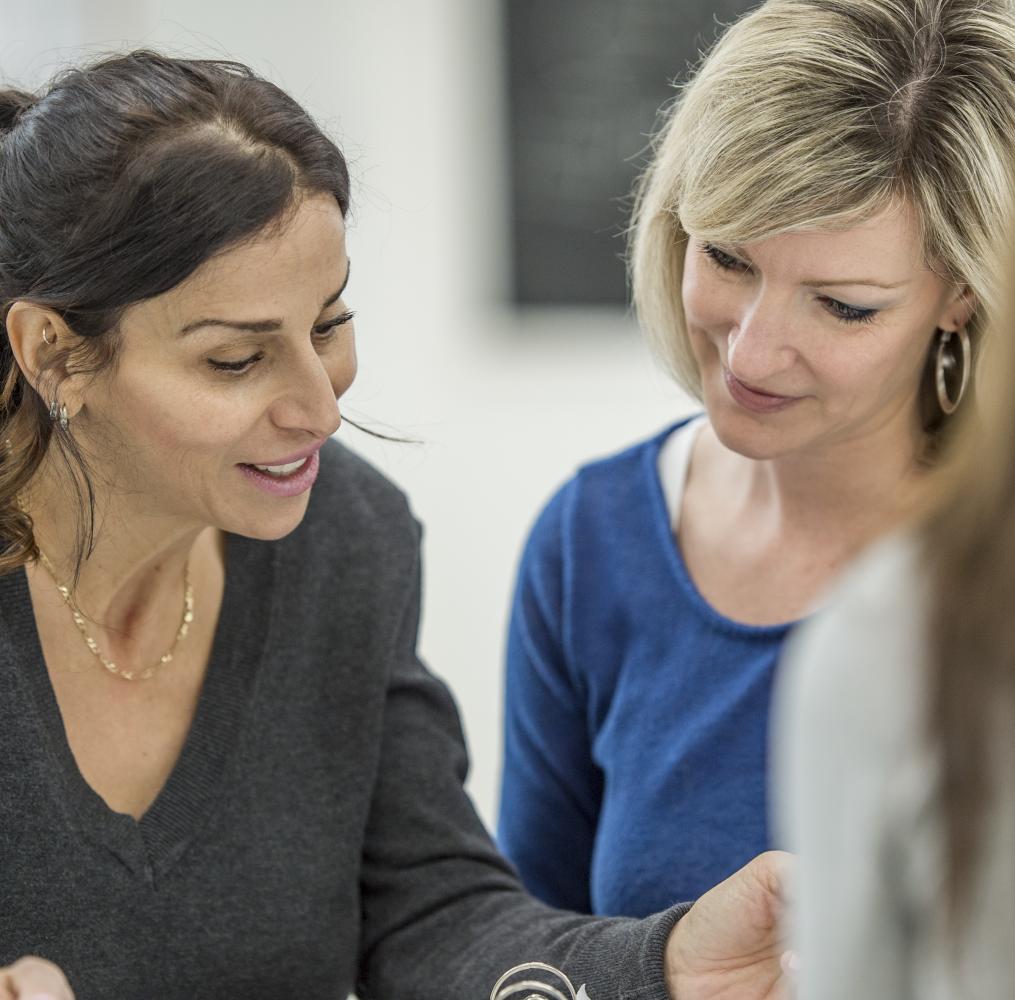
<point x="586" y="80"/>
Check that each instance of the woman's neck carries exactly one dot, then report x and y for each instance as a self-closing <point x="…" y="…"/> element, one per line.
<point x="846" y="491"/>
<point x="136" y="566"/>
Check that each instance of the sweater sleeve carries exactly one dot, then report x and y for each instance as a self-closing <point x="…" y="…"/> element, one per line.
<point x="551" y="788"/>
<point x="843" y="708"/>
<point x="443" y="914"/>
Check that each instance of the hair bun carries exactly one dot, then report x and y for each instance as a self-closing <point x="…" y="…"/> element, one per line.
<point x="13" y="104"/>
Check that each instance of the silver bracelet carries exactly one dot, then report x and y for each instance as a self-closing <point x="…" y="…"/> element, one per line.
<point x="535" y="989"/>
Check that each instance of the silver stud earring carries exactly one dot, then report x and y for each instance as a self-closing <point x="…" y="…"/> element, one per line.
<point x="951" y="366"/>
<point x="58" y="415"/>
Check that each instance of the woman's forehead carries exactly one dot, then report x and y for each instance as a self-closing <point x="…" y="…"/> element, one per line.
<point x="889" y="241"/>
<point x="286" y="261"/>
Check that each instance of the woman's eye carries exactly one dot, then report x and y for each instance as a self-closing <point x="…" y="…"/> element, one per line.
<point x="841" y="310"/>
<point x="322" y="332"/>
<point x="326" y="329"/>
<point x="848" y="313"/>
<point x="722" y="259"/>
<point x="236" y="367"/>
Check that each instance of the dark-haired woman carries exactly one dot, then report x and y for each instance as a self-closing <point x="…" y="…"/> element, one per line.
<point x="223" y="771"/>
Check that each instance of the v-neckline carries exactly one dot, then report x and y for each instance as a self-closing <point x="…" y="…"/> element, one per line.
<point x="149" y="846"/>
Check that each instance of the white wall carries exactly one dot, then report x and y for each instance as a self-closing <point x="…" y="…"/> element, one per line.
<point x="507" y="405"/>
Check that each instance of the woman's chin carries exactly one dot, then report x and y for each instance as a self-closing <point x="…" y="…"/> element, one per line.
<point x="266" y="526"/>
<point x="759" y="437"/>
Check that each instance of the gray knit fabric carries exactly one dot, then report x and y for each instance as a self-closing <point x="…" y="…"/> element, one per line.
<point x="314" y="836"/>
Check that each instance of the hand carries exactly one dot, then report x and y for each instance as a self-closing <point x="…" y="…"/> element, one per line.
<point x="33" y="979"/>
<point x="727" y="946"/>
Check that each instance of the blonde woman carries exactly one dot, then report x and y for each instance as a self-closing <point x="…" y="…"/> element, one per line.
<point x="895" y="748"/>
<point x="811" y="256"/>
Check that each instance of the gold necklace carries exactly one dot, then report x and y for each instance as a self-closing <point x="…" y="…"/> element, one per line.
<point x="79" y="620"/>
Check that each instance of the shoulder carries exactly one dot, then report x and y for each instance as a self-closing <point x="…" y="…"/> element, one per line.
<point x="605" y="488"/>
<point x="860" y="660"/>
<point x="847" y="735"/>
<point x="619" y="466"/>
<point x="350" y="483"/>
<point x="878" y="607"/>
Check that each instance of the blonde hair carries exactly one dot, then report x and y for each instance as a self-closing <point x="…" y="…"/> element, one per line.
<point x="818" y="114"/>
<point x="968" y="545"/>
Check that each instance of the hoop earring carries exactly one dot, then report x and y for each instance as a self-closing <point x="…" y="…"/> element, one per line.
<point x="945" y="365"/>
<point x="46" y="339"/>
<point x="58" y="415"/>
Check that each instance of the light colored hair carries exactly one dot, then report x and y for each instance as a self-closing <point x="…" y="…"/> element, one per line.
<point x="818" y="114"/>
<point x="968" y="544"/>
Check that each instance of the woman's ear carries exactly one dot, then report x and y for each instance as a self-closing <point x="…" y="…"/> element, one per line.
<point x="41" y="342"/>
<point x="960" y="309"/>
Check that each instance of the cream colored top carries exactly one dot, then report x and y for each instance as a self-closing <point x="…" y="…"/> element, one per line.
<point x="856" y="787"/>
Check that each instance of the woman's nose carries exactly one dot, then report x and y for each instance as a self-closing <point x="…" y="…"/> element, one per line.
<point x="760" y="346"/>
<point x="310" y="399"/>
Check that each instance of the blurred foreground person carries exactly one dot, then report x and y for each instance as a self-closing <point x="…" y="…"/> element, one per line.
<point x="895" y="739"/>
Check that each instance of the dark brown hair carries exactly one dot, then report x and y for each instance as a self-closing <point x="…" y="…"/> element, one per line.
<point x="117" y="182"/>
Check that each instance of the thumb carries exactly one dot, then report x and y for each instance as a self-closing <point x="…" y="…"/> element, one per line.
<point x="32" y="978"/>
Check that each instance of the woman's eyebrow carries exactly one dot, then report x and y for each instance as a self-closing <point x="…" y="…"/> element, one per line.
<point x="740" y="252"/>
<point x="332" y="299"/>
<point x="261" y="325"/>
<point x="813" y="283"/>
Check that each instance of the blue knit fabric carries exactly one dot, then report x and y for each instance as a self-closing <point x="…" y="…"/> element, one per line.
<point x="636" y="716"/>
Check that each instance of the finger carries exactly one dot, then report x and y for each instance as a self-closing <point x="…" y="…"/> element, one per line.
<point x="32" y="978"/>
<point x="777" y="867"/>
<point x="774" y="870"/>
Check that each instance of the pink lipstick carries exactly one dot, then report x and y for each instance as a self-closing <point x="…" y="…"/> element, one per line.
<point x="753" y="399"/>
<point x="290" y="483"/>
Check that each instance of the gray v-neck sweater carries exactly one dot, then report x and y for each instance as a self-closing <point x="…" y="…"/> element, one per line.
<point x="314" y="836"/>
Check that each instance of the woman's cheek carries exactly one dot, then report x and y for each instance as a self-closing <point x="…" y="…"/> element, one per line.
<point x="343" y="373"/>
<point x="707" y="301"/>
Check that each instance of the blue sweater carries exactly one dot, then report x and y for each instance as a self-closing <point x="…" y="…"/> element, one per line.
<point x="636" y="714"/>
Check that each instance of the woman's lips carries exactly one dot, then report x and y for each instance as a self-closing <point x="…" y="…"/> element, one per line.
<point x="291" y="485"/>
<point x="752" y="399"/>
<point x="296" y="456"/>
